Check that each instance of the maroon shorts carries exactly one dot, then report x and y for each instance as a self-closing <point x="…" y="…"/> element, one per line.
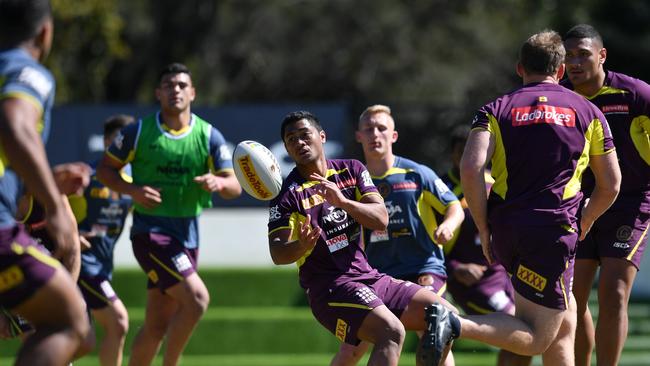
<point x="439" y="286"/>
<point x="24" y="266"/>
<point x="97" y="291"/>
<point x="616" y="234"/>
<point x="343" y="309"/>
<point x="164" y="259"/>
<point x="492" y="293"/>
<point x="540" y="259"/>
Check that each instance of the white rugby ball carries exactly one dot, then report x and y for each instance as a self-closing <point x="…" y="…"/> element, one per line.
<point x="257" y="170"/>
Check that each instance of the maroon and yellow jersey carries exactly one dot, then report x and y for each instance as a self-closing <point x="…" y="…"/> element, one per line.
<point x="544" y="135"/>
<point x="338" y="255"/>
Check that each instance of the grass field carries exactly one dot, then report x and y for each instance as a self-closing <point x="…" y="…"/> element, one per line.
<point x="258" y="317"/>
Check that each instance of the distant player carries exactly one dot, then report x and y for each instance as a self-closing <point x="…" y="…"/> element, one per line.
<point x="316" y="222"/>
<point x="34" y="285"/>
<point x="539" y="138"/>
<point x="410" y="248"/>
<point x="177" y="161"/>
<point x="476" y="286"/>
<point x="102" y="213"/>
<point x="618" y="239"/>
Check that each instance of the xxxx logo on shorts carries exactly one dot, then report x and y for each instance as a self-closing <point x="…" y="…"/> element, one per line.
<point x="341" y="329"/>
<point x="531" y="278"/>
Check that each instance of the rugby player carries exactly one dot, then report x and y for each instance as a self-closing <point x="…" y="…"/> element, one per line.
<point x="177" y="161"/>
<point x="618" y="238"/>
<point x="316" y="222"/>
<point x="33" y="284"/>
<point x="416" y="199"/>
<point x="540" y="138"/>
<point x="476" y="286"/>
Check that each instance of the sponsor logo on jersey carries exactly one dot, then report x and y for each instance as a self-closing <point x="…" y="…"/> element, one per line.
<point x="367" y="181"/>
<point x="530" y="115"/>
<point x="441" y="187"/>
<point x="531" y="278"/>
<point x="224" y="153"/>
<point x="10" y="278"/>
<point x="621" y="245"/>
<point x="312" y="201"/>
<point x="401" y="232"/>
<point x="335" y="215"/>
<point x="103" y="192"/>
<point x="113" y="210"/>
<point x="405" y="186"/>
<point x="274" y="213"/>
<point x="153" y="276"/>
<point x="392" y="209"/>
<point x="624" y="233"/>
<point x="172" y="169"/>
<point x="337" y="242"/>
<point x="36" y="80"/>
<point x="615" y="109"/>
<point x="249" y="170"/>
<point x="346" y="183"/>
<point x="378" y="235"/>
<point x="384" y="189"/>
<point x="341" y="329"/>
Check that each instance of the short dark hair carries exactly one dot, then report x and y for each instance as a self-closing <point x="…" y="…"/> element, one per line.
<point x="584" y="31"/>
<point x="542" y="53"/>
<point x="20" y="20"/>
<point x="116" y="122"/>
<point x="172" y="69"/>
<point x="296" y="116"/>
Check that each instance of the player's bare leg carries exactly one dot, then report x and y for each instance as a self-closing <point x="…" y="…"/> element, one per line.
<point x="159" y="311"/>
<point x="583" y="279"/>
<point x="349" y="355"/>
<point x="561" y="351"/>
<point x="193" y="299"/>
<point x="383" y="329"/>
<point x="614" y="287"/>
<point x="114" y="320"/>
<point x="58" y="314"/>
<point x="507" y="358"/>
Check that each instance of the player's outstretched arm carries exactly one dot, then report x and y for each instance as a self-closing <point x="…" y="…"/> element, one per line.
<point x="108" y="172"/>
<point x="608" y="183"/>
<point x="285" y="251"/>
<point x="24" y="148"/>
<point x="224" y="183"/>
<point x="478" y="149"/>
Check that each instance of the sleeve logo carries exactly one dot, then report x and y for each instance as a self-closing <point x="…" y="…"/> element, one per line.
<point x="543" y="114"/>
<point x="36" y="80"/>
<point x="274" y="213"/>
<point x="367" y="181"/>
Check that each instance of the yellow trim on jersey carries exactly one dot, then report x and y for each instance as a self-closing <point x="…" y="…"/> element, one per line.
<point x="477" y="308"/>
<point x="79" y="206"/>
<point x="172" y="272"/>
<point x="426" y="215"/>
<point x="391" y="171"/>
<point x="128" y="157"/>
<point x="442" y="290"/>
<point x="638" y="243"/>
<point x="92" y="291"/>
<point x="640" y="134"/>
<point x="175" y="132"/>
<point x="311" y="183"/>
<point x="359" y="196"/>
<point x="566" y="298"/>
<point x="25" y="96"/>
<point x="348" y="305"/>
<point x="23" y="219"/>
<point x="499" y="167"/>
<point x="37" y="254"/>
<point x="607" y="90"/>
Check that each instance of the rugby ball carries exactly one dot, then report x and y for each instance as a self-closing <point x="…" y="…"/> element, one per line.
<point x="257" y="170"/>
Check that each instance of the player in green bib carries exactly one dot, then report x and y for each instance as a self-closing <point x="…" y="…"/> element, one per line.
<point x="177" y="161"/>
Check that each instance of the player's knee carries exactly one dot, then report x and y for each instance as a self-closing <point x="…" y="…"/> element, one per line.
<point x="394" y="332"/>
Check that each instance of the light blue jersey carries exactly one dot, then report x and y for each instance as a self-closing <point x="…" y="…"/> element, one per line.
<point x="21" y="76"/>
<point x="415" y="199"/>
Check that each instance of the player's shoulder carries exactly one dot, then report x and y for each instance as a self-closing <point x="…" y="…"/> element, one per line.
<point x="342" y="164"/>
<point x="413" y="166"/>
<point x="628" y="83"/>
<point x="22" y="73"/>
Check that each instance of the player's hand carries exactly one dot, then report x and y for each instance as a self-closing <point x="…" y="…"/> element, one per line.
<point x="469" y="273"/>
<point x="62" y="228"/>
<point x="443" y="234"/>
<point x="72" y="178"/>
<point x="85" y="244"/>
<point x="486" y="245"/>
<point x="586" y="222"/>
<point x="308" y="236"/>
<point x="329" y="190"/>
<point x="149" y="197"/>
<point x="210" y="182"/>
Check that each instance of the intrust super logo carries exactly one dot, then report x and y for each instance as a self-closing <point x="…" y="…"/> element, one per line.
<point x="531" y="278"/>
<point x="252" y="177"/>
<point x="530" y="115"/>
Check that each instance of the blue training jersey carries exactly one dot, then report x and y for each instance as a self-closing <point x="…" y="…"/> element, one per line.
<point x="101" y="213"/>
<point x="22" y="77"/>
<point x="414" y="196"/>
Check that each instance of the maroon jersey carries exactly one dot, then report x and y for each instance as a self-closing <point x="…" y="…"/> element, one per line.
<point x="338" y="255"/>
<point x="625" y="101"/>
<point x="544" y="136"/>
